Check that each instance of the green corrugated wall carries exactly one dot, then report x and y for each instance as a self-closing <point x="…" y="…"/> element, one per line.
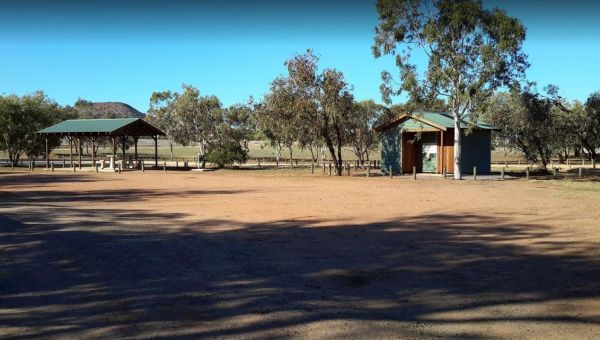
<point x="390" y="151"/>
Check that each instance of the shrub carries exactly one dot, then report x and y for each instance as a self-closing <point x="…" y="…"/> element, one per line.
<point x="226" y="153"/>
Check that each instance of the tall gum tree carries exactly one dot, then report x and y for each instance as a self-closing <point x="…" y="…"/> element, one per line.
<point x="322" y="102"/>
<point x="471" y="52"/>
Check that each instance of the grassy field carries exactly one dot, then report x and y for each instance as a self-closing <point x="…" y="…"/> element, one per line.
<point x="256" y="150"/>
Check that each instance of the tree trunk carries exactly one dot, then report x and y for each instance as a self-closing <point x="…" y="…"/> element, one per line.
<point x="457" y="147"/>
<point x="338" y="168"/>
<point x="291" y="156"/>
<point x="312" y="154"/>
<point x="171" y="148"/>
<point x="14" y="158"/>
<point x="329" y="144"/>
<point x="277" y="154"/>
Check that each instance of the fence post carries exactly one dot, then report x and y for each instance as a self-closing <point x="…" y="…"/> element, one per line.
<point x="580" y="172"/>
<point x="12" y="166"/>
<point x="348" y="168"/>
<point x="414" y="172"/>
<point x="142" y="164"/>
<point x="63" y="160"/>
<point x="164" y="166"/>
<point x="391" y="172"/>
<point x="368" y="169"/>
<point x="527" y="173"/>
<point x="176" y="164"/>
<point x="502" y="174"/>
<point x="554" y="172"/>
<point x="258" y="161"/>
<point x="474" y="173"/>
<point x="444" y="172"/>
<point x="73" y="166"/>
<point x="51" y="166"/>
<point x="324" y="168"/>
<point x="594" y="163"/>
<point x="312" y="167"/>
<point x="96" y="166"/>
<point x="120" y="166"/>
<point x="329" y="168"/>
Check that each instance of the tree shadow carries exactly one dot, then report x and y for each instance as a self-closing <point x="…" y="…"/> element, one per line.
<point x="71" y="272"/>
<point x="37" y="179"/>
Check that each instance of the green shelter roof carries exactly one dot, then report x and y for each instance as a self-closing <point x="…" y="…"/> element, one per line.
<point x="91" y="127"/>
<point x="427" y="120"/>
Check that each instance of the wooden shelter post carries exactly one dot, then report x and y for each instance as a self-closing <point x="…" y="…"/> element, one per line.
<point x="135" y="153"/>
<point x="47" y="154"/>
<point x="114" y="149"/>
<point x="123" y="140"/>
<point x="442" y="153"/>
<point x="93" y="152"/>
<point x="70" y="150"/>
<point x="79" y="150"/>
<point x="155" y="150"/>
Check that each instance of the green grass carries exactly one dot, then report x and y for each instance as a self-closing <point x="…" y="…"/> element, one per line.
<point x="576" y="188"/>
<point x="257" y="150"/>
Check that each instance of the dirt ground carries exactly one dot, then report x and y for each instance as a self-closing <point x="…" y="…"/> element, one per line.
<point x="251" y="254"/>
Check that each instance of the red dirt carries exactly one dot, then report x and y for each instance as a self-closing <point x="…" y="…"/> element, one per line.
<point x="261" y="254"/>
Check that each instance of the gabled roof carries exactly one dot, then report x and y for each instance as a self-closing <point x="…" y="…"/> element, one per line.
<point x="103" y="127"/>
<point x="437" y="120"/>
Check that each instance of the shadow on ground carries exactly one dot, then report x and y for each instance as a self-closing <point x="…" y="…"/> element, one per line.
<point x="80" y="272"/>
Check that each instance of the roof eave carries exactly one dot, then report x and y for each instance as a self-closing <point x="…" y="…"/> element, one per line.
<point x="404" y="117"/>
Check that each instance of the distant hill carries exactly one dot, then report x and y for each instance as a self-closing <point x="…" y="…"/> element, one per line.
<point x="91" y="110"/>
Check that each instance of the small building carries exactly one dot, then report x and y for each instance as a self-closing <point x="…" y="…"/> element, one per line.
<point x="425" y="140"/>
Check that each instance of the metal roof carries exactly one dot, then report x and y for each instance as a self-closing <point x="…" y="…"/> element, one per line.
<point x="423" y="120"/>
<point x="115" y="127"/>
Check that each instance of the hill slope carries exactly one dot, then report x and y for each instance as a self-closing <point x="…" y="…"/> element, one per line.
<point x="107" y="110"/>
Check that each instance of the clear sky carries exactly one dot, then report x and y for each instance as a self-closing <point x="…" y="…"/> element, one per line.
<point x="124" y="50"/>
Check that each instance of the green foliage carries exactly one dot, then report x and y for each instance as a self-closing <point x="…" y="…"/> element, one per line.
<point x="22" y="117"/>
<point x="227" y="153"/>
<point x="472" y="51"/>
<point x="587" y="125"/>
<point x="362" y="136"/>
<point x="543" y="126"/>
<point x="189" y="118"/>
<point x="317" y="105"/>
<point x="528" y="122"/>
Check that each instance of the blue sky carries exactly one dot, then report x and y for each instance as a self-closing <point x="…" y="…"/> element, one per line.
<point x="107" y="51"/>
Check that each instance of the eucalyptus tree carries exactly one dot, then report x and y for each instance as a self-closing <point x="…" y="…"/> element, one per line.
<point x="283" y="122"/>
<point x="22" y="117"/>
<point x="241" y="123"/>
<point x="528" y="122"/>
<point x="587" y="128"/>
<point x="322" y="102"/>
<point x="276" y="125"/>
<point x="471" y="52"/>
<point x="162" y="114"/>
<point x="363" y="138"/>
<point x="198" y="119"/>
